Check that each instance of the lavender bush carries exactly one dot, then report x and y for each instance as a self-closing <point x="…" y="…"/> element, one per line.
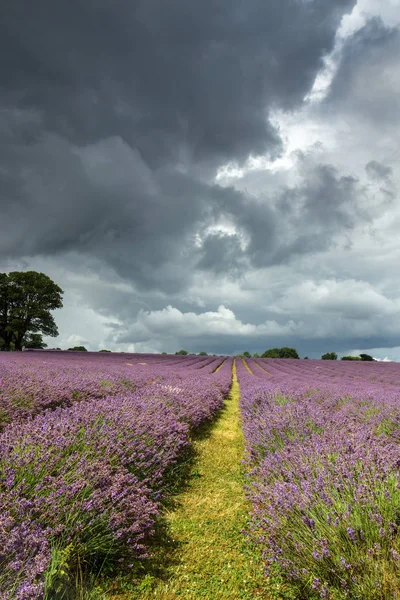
<point x="83" y="484"/>
<point x="323" y="458"/>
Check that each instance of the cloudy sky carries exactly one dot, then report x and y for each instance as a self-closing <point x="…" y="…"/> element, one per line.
<point x="219" y="175"/>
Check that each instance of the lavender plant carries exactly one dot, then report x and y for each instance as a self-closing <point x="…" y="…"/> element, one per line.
<point x="83" y="484"/>
<point x="323" y="457"/>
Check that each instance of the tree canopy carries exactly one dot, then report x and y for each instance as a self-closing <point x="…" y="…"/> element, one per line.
<point x="364" y="357"/>
<point x="203" y="354"/>
<point x="329" y="356"/>
<point x="26" y="299"/>
<point x="78" y="349"/>
<point x="35" y="340"/>
<point x="182" y="352"/>
<point x="367" y="357"/>
<point x="281" y="353"/>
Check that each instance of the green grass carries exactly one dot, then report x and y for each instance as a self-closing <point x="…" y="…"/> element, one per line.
<point x="247" y="367"/>
<point x="204" y="553"/>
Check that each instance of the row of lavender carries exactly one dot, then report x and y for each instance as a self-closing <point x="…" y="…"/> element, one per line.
<point x="323" y="458"/>
<point x="83" y="483"/>
<point x="36" y="381"/>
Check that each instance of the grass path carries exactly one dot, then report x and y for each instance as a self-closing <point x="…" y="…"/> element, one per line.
<point x="212" y="559"/>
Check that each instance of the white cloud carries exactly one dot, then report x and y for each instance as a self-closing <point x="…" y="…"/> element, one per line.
<point x="210" y="323"/>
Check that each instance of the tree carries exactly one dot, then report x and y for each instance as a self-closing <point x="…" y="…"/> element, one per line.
<point x="163" y="353"/>
<point x="78" y="349"/>
<point x="350" y="358"/>
<point x="329" y="356"/>
<point x="271" y="353"/>
<point x="366" y="357"/>
<point x="281" y="353"/>
<point x="26" y="299"/>
<point x="104" y="350"/>
<point x="203" y="354"/>
<point x="34" y="340"/>
<point x="246" y="355"/>
<point x="256" y="355"/>
<point x="306" y="358"/>
<point x="182" y="352"/>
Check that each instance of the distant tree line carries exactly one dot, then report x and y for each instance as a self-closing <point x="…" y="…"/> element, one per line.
<point x="334" y="356"/>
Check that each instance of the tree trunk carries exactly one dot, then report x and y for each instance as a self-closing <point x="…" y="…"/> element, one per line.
<point x="18" y="341"/>
<point x="7" y="341"/>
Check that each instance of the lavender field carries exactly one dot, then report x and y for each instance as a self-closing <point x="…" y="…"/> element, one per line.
<point x="323" y="458"/>
<point x="88" y="450"/>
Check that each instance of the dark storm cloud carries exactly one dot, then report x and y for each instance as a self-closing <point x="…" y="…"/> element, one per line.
<point x="174" y="79"/>
<point x="104" y="203"/>
<point x="108" y="110"/>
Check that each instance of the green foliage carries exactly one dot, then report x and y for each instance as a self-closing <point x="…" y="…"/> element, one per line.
<point x="104" y="350"/>
<point x="367" y="357"/>
<point x="256" y="355"/>
<point x="182" y="352"/>
<point x="350" y="358"/>
<point x="281" y="353"/>
<point x="164" y="352"/>
<point x="78" y="349"/>
<point x="203" y="354"/>
<point x="34" y="340"/>
<point x="305" y="358"/>
<point x="352" y="554"/>
<point x="26" y="299"/>
<point x="329" y="356"/>
<point x="246" y="355"/>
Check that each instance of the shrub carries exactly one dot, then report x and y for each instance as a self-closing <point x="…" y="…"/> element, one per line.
<point x="366" y="357"/>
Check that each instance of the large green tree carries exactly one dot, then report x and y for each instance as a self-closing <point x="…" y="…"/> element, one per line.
<point x="329" y="356"/>
<point x="26" y="299"/>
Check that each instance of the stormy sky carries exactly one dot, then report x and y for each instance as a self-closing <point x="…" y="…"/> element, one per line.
<point x="218" y="175"/>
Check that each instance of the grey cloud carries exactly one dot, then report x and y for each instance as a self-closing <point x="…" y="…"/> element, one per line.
<point x="377" y="170"/>
<point x="103" y="203"/>
<point x="103" y="107"/>
<point x="367" y="82"/>
<point x="223" y="254"/>
<point x="176" y="80"/>
<point x="311" y="217"/>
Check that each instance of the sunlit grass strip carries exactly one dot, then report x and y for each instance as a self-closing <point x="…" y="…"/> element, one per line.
<point x="247" y="367"/>
<point x="220" y="366"/>
<point x="213" y="559"/>
<point x="260" y="367"/>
